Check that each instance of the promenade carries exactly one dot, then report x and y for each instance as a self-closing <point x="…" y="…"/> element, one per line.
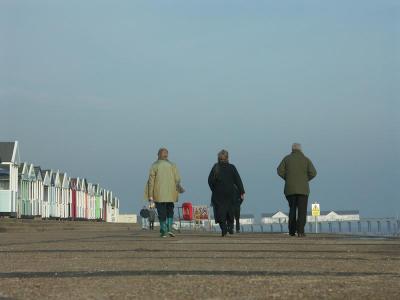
<point x="81" y="260"/>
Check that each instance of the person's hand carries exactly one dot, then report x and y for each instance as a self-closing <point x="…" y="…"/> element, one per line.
<point x="151" y="199"/>
<point x="242" y="196"/>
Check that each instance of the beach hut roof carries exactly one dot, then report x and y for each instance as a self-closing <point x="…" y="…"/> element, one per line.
<point x="38" y="171"/>
<point x="8" y="152"/>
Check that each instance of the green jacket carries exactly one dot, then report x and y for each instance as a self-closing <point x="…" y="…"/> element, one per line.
<point x="297" y="170"/>
<point x="163" y="181"/>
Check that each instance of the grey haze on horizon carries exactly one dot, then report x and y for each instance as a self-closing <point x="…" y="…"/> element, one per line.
<point x="94" y="88"/>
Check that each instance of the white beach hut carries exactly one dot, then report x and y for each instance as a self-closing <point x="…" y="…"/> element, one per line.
<point x="38" y="192"/>
<point x="46" y="175"/>
<point x="9" y="160"/>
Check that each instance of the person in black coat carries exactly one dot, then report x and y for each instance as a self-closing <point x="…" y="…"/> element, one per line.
<point x="222" y="181"/>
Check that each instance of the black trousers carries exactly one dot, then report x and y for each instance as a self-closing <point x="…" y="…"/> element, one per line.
<point x="165" y="210"/>
<point x="236" y="214"/>
<point x="298" y="213"/>
<point x="226" y="222"/>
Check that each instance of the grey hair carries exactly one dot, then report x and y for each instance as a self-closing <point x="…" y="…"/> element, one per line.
<point x="296" y="146"/>
<point x="223" y="156"/>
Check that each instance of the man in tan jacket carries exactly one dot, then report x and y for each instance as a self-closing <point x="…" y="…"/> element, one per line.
<point x="163" y="187"/>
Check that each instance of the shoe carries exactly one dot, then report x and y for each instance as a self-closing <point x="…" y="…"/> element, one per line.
<point x="237" y="230"/>
<point x="163" y="230"/>
<point x="301" y="235"/>
<point x="170" y="221"/>
<point x="292" y="234"/>
<point x="224" y="229"/>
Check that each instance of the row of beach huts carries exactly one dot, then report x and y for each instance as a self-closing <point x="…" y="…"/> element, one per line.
<point x="28" y="191"/>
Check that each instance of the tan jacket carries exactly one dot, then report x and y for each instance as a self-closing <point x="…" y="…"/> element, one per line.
<point x="163" y="181"/>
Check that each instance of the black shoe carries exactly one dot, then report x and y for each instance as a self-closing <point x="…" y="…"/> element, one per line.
<point x="301" y="235"/>
<point x="237" y="230"/>
<point x="231" y="231"/>
<point x="292" y="234"/>
<point x="224" y="233"/>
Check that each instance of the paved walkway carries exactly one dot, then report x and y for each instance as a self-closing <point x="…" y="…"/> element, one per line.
<point x="50" y="259"/>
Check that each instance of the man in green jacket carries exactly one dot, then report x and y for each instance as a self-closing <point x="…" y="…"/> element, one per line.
<point x="297" y="170"/>
<point x="163" y="188"/>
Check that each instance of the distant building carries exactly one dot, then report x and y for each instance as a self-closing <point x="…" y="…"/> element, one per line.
<point x="245" y="219"/>
<point x="278" y="217"/>
<point x="337" y="215"/>
<point x="127" y="218"/>
<point x="326" y="216"/>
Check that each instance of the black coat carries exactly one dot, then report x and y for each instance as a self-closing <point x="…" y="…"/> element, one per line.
<point x="222" y="181"/>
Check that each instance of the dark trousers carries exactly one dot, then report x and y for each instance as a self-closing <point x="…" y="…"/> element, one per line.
<point x="151" y="225"/>
<point x="165" y="210"/>
<point x="237" y="216"/>
<point x="297" y="213"/>
<point x="226" y="223"/>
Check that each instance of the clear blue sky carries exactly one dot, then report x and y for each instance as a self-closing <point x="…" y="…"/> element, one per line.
<point x="94" y="88"/>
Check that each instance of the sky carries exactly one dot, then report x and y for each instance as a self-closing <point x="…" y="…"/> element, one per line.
<point x="95" y="88"/>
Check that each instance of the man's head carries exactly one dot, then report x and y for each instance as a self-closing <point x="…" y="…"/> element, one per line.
<point x="223" y="156"/>
<point x="296" y="147"/>
<point x="163" y="154"/>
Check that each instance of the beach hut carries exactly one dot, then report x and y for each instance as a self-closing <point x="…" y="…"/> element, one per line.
<point x="104" y="204"/>
<point x="98" y="202"/>
<point x="23" y="191"/>
<point x="9" y="160"/>
<point x="93" y="202"/>
<point x="109" y="206"/>
<point x="115" y="209"/>
<point x="69" y="204"/>
<point x="54" y="195"/>
<point x="84" y="199"/>
<point x="90" y="202"/>
<point x="74" y="187"/>
<point x="38" y="192"/>
<point x="64" y="198"/>
<point x="47" y="193"/>
<point x="32" y="190"/>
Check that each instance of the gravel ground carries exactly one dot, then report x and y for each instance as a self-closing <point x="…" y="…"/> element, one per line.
<point x="65" y="260"/>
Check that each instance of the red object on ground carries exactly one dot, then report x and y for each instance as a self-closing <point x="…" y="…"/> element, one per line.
<point x="187" y="211"/>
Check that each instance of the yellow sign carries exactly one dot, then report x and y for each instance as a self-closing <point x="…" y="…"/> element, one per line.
<point x="315" y="210"/>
